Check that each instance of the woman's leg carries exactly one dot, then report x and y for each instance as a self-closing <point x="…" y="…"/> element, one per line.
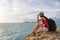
<point x="36" y="28"/>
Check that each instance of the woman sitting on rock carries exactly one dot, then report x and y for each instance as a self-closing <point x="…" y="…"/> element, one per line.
<point x="42" y="23"/>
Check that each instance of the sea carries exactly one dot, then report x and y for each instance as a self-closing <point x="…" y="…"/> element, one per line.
<point x="17" y="31"/>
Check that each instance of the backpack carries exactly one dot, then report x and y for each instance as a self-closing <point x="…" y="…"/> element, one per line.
<point x="52" y="24"/>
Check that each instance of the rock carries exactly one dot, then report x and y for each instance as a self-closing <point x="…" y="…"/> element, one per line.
<point x="44" y="36"/>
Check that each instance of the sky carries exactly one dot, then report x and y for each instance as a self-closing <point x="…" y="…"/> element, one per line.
<point x="27" y="10"/>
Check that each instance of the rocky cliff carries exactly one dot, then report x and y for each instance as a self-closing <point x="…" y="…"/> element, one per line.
<point x="44" y="36"/>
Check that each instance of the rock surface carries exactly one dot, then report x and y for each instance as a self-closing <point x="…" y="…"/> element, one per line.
<point x="44" y="36"/>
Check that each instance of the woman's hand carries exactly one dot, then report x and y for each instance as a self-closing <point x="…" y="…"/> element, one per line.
<point x="43" y="25"/>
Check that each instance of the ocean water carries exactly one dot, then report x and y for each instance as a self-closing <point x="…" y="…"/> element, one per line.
<point x="16" y="31"/>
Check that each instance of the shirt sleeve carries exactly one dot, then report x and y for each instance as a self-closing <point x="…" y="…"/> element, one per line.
<point x="46" y="23"/>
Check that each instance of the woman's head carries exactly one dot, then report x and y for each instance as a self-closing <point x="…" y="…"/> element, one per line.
<point x="41" y="14"/>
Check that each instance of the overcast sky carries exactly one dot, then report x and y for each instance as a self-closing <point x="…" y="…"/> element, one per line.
<point x="26" y="10"/>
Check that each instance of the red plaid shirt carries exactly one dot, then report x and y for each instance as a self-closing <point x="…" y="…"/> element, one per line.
<point x="45" y="22"/>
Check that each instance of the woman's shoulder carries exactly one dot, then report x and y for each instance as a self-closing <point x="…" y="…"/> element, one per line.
<point x="43" y="18"/>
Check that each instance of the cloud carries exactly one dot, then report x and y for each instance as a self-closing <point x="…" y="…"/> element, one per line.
<point x="18" y="10"/>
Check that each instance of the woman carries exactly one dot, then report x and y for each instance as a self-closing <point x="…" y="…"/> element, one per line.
<point x="42" y="23"/>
